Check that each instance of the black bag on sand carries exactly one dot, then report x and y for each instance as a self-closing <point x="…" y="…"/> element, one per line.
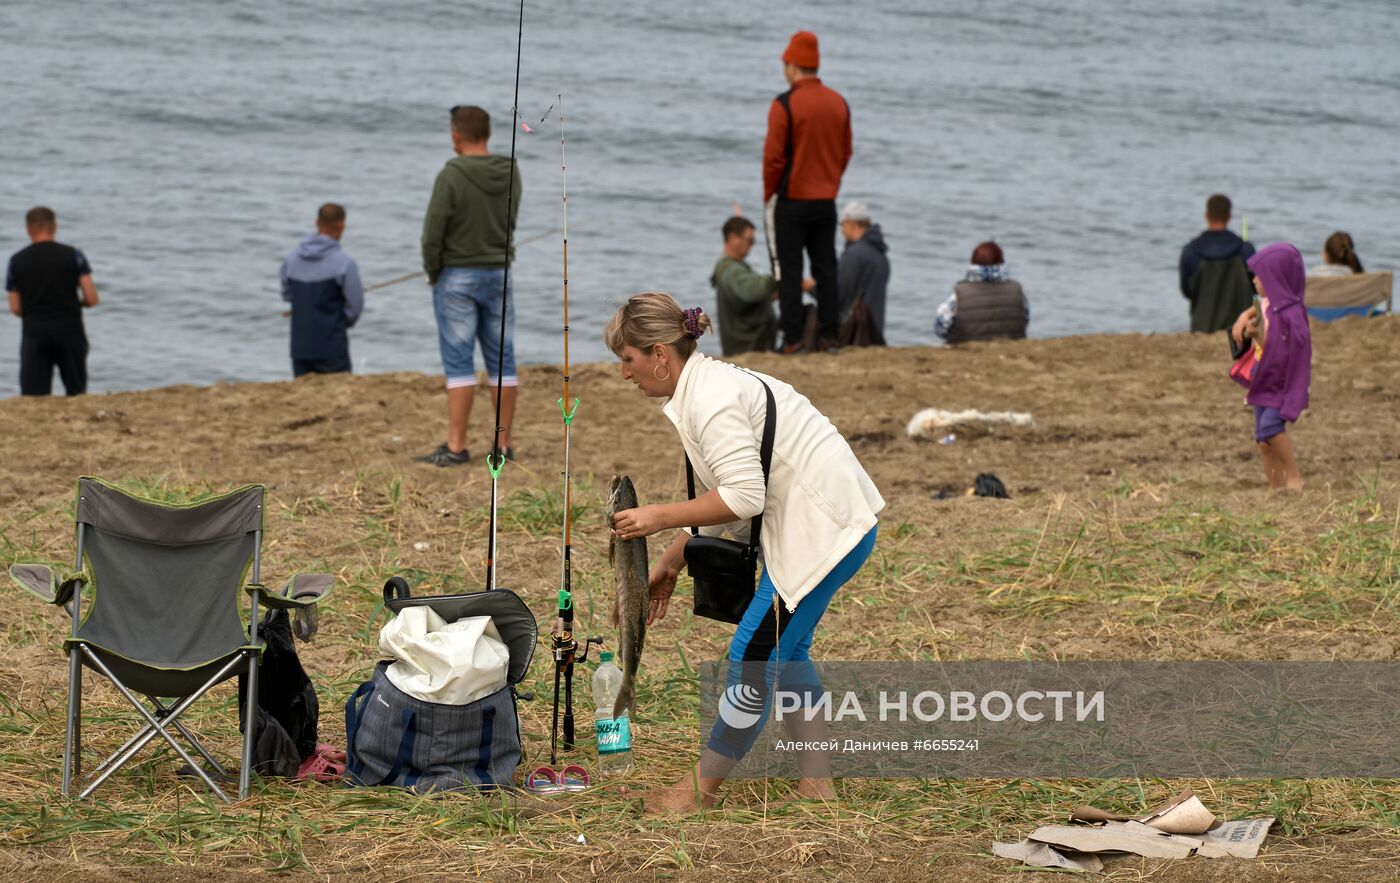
<point x="988" y="485"/>
<point x="392" y="738"/>
<point x="725" y="571"/>
<point x="288" y="711"/>
<point x="860" y="328"/>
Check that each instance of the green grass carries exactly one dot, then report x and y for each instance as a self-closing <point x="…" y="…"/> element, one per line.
<point x="1167" y="574"/>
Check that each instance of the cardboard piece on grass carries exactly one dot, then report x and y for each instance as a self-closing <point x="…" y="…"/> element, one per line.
<point x="1132" y="837"/>
<point x="1183" y="814"/>
<point x="1040" y="855"/>
<point x="1240" y="839"/>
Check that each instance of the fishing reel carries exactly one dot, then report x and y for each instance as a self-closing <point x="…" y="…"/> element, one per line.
<point x="566" y="648"/>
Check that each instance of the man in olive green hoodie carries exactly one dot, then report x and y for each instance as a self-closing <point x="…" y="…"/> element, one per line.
<point x="743" y="297"/>
<point x="464" y="255"/>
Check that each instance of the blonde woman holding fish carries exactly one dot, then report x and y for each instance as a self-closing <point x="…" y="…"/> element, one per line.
<point x="819" y="520"/>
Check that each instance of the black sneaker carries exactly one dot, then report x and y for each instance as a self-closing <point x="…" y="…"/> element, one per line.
<point x="445" y="456"/>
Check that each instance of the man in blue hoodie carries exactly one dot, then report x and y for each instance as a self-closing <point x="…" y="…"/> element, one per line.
<point x="1214" y="276"/>
<point x="322" y="283"/>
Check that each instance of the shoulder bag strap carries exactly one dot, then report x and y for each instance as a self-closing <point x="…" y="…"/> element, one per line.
<point x="765" y="457"/>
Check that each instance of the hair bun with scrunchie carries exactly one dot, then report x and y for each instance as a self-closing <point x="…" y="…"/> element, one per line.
<point x="692" y="322"/>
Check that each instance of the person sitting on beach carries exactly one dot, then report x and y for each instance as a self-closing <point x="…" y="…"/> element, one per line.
<point x="863" y="275"/>
<point x="987" y="303"/>
<point x="49" y="284"/>
<point x="322" y="283"/>
<point x="1214" y="277"/>
<point x="464" y="255"/>
<point x="1278" y="389"/>
<point x="1338" y="257"/>
<point x="743" y="297"/>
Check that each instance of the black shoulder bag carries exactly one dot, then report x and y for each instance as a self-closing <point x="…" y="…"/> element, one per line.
<point x="725" y="571"/>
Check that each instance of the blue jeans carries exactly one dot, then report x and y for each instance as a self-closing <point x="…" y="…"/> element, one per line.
<point x="754" y="643"/>
<point x="467" y="303"/>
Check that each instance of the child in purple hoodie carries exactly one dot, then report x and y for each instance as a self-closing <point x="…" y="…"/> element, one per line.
<point x="1278" y="389"/>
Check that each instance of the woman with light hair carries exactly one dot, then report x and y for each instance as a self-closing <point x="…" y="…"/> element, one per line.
<point x="818" y="510"/>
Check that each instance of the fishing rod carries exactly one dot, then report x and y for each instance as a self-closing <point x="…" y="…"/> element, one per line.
<point x="407" y="277"/>
<point x="496" y="460"/>
<point x="565" y="645"/>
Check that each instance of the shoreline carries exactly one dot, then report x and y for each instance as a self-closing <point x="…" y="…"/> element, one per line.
<point x="545" y="366"/>
<point x="1103" y="405"/>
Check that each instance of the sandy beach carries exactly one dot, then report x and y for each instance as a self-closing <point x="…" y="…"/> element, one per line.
<point x="1134" y="436"/>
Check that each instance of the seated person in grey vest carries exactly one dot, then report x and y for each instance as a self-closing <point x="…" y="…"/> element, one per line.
<point x="986" y="304"/>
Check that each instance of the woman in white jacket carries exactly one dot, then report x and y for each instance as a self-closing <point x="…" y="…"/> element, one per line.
<point x="819" y="520"/>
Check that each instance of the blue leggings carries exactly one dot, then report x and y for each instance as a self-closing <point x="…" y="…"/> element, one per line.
<point x="753" y="653"/>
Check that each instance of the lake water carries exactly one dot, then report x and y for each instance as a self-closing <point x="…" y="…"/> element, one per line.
<point x="185" y="146"/>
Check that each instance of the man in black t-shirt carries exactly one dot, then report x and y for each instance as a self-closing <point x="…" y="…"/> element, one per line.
<point x="49" y="284"/>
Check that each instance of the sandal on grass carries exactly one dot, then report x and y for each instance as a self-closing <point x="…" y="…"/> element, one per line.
<point x="326" y="764"/>
<point x="547" y="780"/>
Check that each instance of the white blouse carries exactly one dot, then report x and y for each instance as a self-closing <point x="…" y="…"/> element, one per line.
<point x="820" y="502"/>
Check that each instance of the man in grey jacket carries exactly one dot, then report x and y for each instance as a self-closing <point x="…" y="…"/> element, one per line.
<point x="862" y="277"/>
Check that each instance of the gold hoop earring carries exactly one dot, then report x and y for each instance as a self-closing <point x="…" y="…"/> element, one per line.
<point x="667" y="366"/>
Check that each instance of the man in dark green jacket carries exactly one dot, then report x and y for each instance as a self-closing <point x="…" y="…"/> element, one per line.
<point x="464" y="254"/>
<point x="743" y="297"/>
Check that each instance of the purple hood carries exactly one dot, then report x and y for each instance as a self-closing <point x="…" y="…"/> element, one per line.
<point x="1281" y="379"/>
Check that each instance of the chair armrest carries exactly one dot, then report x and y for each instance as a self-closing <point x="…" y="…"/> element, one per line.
<point x="41" y="581"/>
<point x="302" y="590"/>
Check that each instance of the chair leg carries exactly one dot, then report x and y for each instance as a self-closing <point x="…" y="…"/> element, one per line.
<point x="73" y="738"/>
<point x="154" y="727"/>
<point x="203" y="752"/>
<point x="147" y="734"/>
<point x="250" y="720"/>
<point x="163" y="712"/>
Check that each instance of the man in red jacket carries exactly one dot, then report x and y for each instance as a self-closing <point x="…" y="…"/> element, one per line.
<point x="804" y="156"/>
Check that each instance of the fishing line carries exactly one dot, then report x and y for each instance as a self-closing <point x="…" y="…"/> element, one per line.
<point x="496" y="461"/>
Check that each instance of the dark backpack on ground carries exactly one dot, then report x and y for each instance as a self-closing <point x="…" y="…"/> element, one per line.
<point x="392" y="738"/>
<point x="288" y="710"/>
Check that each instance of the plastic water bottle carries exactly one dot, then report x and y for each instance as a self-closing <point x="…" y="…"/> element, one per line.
<point x="614" y="735"/>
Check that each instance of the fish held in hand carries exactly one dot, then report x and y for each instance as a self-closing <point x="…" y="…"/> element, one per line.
<point x="629" y="564"/>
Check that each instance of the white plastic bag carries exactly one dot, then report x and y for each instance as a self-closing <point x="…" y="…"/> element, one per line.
<point x="452" y="663"/>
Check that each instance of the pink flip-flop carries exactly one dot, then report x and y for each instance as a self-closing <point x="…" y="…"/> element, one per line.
<point x="547" y="780"/>
<point x="326" y="764"/>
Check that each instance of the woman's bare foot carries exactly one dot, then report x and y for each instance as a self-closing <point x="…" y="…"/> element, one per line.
<point x="682" y="798"/>
<point x="816" y="789"/>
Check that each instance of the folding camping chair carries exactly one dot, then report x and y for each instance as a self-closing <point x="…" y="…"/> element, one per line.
<point x="1328" y="298"/>
<point x="164" y="621"/>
